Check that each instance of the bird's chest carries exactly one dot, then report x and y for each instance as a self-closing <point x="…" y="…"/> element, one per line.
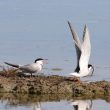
<point x="84" y="72"/>
<point x="37" y="67"/>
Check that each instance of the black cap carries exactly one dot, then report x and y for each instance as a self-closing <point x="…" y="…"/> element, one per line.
<point x="38" y="59"/>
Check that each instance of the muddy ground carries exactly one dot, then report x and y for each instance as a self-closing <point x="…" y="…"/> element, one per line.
<point x="53" y="85"/>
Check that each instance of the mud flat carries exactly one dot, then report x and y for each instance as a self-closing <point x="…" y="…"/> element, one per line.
<point x="53" y="85"/>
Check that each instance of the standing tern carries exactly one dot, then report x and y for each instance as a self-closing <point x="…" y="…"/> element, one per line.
<point x="30" y="68"/>
<point x="83" y="52"/>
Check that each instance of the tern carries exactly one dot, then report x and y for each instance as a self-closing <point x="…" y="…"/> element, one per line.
<point x="30" y="68"/>
<point x="83" y="52"/>
<point x="37" y="106"/>
<point x="82" y="104"/>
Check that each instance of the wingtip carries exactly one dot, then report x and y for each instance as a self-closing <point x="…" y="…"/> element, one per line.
<point x="85" y="27"/>
<point x="68" y="22"/>
<point x="5" y="62"/>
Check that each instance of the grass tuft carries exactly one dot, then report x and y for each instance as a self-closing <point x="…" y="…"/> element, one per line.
<point x="7" y="71"/>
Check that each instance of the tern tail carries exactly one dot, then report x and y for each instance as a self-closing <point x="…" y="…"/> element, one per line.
<point x="13" y="65"/>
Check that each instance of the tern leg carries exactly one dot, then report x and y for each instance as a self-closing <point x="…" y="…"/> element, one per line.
<point x="31" y="75"/>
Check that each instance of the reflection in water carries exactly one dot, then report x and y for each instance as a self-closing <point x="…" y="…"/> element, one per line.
<point x="37" y="106"/>
<point x="10" y="101"/>
<point x="82" y="104"/>
<point x="24" y="99"/>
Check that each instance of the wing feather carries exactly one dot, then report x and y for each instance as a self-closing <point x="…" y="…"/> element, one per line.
<point x="13" y="65"/>
<point x="85" y="49"/>
<point x="29" y="68"/>
<point x="77" y="42"/>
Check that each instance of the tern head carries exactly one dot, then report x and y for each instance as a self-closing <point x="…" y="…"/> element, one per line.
<point x="40" y="61"/>
<point x="78" y="73"/>
<point x="91" y="69"/>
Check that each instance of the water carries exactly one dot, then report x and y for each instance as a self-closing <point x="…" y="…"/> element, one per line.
<point x="31" y="29"/>
<point x="46" y="102"/>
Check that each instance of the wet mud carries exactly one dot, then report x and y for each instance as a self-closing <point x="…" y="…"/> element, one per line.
<point x="54" y="85"/>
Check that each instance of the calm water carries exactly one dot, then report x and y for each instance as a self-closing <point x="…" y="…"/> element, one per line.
<point x="38" y="28"/>
<point x="56" y="105"/>
<point x="25" y="102"/>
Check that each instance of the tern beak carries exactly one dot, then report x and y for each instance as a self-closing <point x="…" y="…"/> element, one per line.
<point x="45" y="61"/>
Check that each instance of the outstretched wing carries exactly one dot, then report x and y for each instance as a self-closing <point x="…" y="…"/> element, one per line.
<point x="85" y="50"/>
<point x="13" y="65"/>
<point x="77" y="42"/>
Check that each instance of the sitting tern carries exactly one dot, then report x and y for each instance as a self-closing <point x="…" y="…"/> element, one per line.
<point x="83" y="53"/>
<point x="30" y="68"/>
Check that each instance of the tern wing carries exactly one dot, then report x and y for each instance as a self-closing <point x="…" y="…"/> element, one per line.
<point x="29" y="68"/>
<point x="77" y="42"/>
<point x="85" y="50"/>
<point x="13" y="65"/>
<point x="90" y="103"/>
